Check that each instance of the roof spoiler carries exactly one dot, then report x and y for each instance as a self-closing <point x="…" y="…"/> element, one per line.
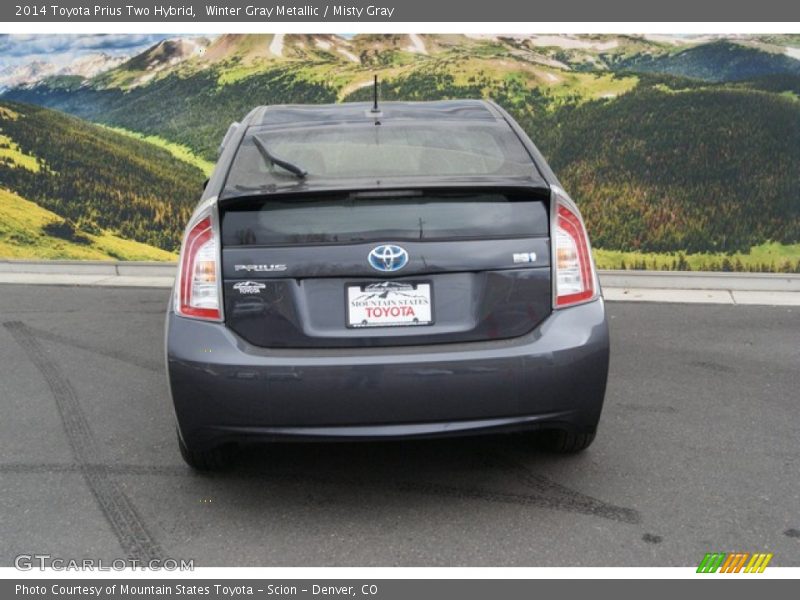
<point x="355" y="188"/>
<point x="232" y="128"/>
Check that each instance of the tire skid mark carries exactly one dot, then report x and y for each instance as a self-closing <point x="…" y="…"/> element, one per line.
<point x="107" y="352"/>
<point x="564" y="499"/>
<point x="570" y="499"/>
<point x="118" y="510"/>
<point x="597" y="509"/>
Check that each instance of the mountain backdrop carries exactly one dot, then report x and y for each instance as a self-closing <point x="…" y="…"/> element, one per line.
<point x="683" y="152"/>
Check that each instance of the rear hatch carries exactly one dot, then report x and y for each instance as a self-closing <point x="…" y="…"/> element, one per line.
<point x="386" y="268"/>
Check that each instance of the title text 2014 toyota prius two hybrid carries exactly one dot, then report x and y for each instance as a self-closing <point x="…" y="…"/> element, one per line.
<point x="360" y="273"/>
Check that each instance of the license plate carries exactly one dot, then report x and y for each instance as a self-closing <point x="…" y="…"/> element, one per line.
<point x="389" y="304"/>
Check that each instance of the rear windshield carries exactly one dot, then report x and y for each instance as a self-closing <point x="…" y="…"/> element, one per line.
<point x="360" y="217"/>
<point x="366" y="151"/>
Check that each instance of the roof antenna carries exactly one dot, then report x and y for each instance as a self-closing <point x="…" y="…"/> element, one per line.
<point x="375" y="108"/>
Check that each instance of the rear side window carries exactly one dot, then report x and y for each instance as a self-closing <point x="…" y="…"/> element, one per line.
<point x="399" y="216"/>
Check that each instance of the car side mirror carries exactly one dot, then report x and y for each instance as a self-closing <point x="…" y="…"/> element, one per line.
<point x="205" y="184"/>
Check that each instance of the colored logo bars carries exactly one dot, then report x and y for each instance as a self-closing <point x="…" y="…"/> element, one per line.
<point x="734" y="562"/>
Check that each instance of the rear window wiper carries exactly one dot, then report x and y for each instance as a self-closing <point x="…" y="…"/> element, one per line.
<point x="284" y="164"/>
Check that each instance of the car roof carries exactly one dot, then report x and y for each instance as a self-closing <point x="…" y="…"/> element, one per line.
<point x="352" y="112"/>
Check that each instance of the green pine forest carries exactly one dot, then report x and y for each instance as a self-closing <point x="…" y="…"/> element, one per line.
<point x="96" y="180"/>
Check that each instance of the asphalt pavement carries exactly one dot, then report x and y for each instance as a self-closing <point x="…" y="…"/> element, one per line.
<point x="697" y="452"/>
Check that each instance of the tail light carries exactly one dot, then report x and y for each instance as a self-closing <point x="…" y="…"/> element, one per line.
<point x="197" y="292"/>
<point x="574" y="270"/>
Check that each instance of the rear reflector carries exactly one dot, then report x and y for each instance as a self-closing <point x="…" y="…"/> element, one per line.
<point x="198" y="293"/>
<point x="574" y="272"/>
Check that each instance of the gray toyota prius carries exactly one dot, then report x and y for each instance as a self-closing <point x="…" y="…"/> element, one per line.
<point x="356" y="272"/>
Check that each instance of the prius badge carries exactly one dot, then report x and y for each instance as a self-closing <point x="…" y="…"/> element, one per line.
<point x="387" y="258"/>
<point x="260" y="268"/>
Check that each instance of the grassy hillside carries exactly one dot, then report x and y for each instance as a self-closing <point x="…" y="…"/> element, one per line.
<point x="29" y="231"/>
<point x="668" y="147"/>
<point x="180" y="152"/>
<point x="770" y="257"/>
<point x="191" y="111"/>
<point x="98" y="180"/>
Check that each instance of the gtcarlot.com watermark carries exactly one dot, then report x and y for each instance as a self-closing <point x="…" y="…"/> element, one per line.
<point x="42" y="562"/>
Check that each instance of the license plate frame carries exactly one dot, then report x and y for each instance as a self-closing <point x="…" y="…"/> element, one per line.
<point x="398" y="292"/>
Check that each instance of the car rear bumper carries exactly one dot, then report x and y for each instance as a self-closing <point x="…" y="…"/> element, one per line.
<point x="225" y="389"/>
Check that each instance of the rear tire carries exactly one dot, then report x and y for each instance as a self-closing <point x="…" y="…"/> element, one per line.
<point x="217" y="458"/>
<point x="561" y="441"/>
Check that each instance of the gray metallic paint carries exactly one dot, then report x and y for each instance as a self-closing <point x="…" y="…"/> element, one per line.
<point x="478" y="293"/>
<point x="224" y="388"/>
